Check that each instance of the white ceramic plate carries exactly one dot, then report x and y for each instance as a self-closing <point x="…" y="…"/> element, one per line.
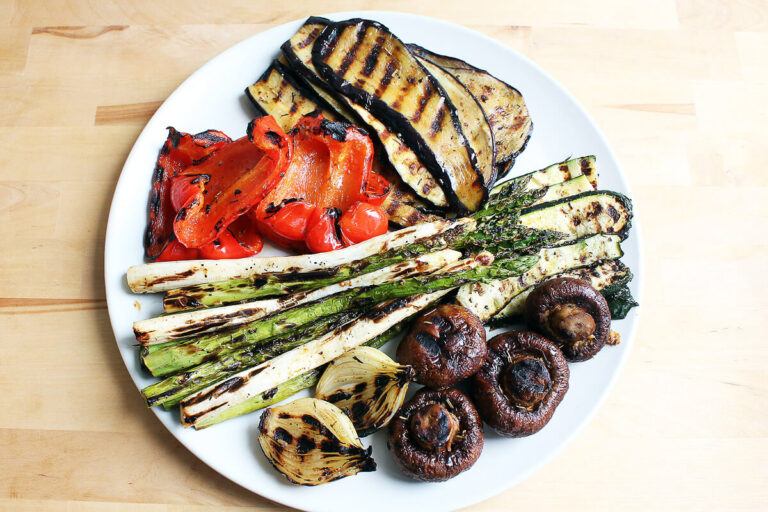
<point x="213" y="98"/>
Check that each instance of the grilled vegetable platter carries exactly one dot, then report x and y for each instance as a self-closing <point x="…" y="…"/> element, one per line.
<point x="375" y="281"/>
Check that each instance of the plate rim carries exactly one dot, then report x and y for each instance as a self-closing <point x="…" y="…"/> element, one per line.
<point x="639" y="270"/>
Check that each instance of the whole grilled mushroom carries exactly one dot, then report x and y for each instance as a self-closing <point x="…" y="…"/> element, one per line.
<point x="523" y="379"/>
<point x="444" y="346"/>
<point x="436" y="435"/>
<point x="572" y="314"/>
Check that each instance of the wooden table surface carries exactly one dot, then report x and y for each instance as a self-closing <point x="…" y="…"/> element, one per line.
<point x="678" y="86"/>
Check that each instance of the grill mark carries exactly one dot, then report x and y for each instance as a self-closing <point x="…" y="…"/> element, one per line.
<point x="422" y="103"/>
<point x="191" y="419"/>
<point x="437" y="122"/>
<point x="371" y="59"/>
<point x="349" y="58"/>
<point x="310" y="38"/>
<point x="389" y="70"/>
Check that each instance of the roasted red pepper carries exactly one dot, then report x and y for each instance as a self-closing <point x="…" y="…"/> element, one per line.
<point x="330" y="169"/>
<point x="179" y="152"/>
<point x="236" y="178"/>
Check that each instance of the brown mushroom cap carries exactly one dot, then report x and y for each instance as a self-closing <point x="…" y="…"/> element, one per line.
<point x="523" y="379"/>
<point x="572" y="314"/>
<point x="445" y="346"/>
<point x="436" y="435"/>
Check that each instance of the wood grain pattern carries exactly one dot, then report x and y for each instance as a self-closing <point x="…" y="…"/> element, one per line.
<point x="678" y="86"/>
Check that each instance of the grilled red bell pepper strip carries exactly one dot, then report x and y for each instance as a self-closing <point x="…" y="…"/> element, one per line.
<point x="330" y="169"/>
<point x="239" y="175"/>
<point x="179" y="152"/>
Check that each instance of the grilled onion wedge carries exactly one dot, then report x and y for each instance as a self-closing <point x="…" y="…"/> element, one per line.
<point x="312" y="442"/>
<point x="367" y="385"/>
<point x="298" y="53"/>
<point x="503" y="105"/>
<point x="365" y="62"/>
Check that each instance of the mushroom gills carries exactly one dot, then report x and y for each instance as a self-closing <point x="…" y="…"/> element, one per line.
<point x="572" y="314"/>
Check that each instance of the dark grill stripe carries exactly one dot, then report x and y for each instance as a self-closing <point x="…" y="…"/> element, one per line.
<point x="310" y="37"/>
<point x="422" y="103"/>
<point x="371" y="60"/>
<point x="437" y="123"/>
<point x="389" y="70"/>
<point x="350" y="56"/>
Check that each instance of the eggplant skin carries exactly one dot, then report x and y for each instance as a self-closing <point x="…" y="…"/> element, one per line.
<point x="474" y="122"/>
<point x="364" y="61"/>
<point x="278" y="93"/>
<point x="402" y="167"/>
<point x="503" y="104"/>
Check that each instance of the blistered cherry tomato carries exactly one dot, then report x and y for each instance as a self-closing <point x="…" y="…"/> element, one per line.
<point x="184" y="188"/>
<point x="225" y="247"/>
<point x="321" y="231"/>
<point x="245" y="231"/>
<point x="363" y="221"/>
<point x="175" y="251"/>
<point x="291" y="219"/>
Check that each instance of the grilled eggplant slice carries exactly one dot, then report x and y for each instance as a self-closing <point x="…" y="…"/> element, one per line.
<point x="364" y="61"/>
<point x="503" y="105"/>
<point x="298" y="53"/>
<point x="606" y="277"/>
<point x="278" y="94"/>
<point x="475" y="124"/>
<point x="487" y="299"/>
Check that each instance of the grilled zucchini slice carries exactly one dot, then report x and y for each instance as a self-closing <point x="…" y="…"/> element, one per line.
<point x="486" y="300"/>
<point x="368" y="64"/>
<point x="503" y="104"/>
<point x="583" y="214"/>
<point x="555" y="173"/>
<point x="476" y="127"/>
<point x="278" y="94"/>
<point x="569" y="188"/>
<point x="609" y="275"/>
<point x="298" y="53"/>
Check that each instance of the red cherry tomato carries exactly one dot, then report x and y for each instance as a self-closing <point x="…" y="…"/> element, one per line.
<point x="376" y="189"/>
<point x="321" y="231"/>
<point x="184" y="188"/>
<point x="363" y="221"/>
<point x="247" y="234"/>
<point x="291" y="219"/>
<point x="225" y="247"/>
<point x="174" y="251"/>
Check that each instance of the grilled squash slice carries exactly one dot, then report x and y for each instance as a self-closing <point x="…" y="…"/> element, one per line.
<point x="365" y="62"/>
<point x="503" y="105"/>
